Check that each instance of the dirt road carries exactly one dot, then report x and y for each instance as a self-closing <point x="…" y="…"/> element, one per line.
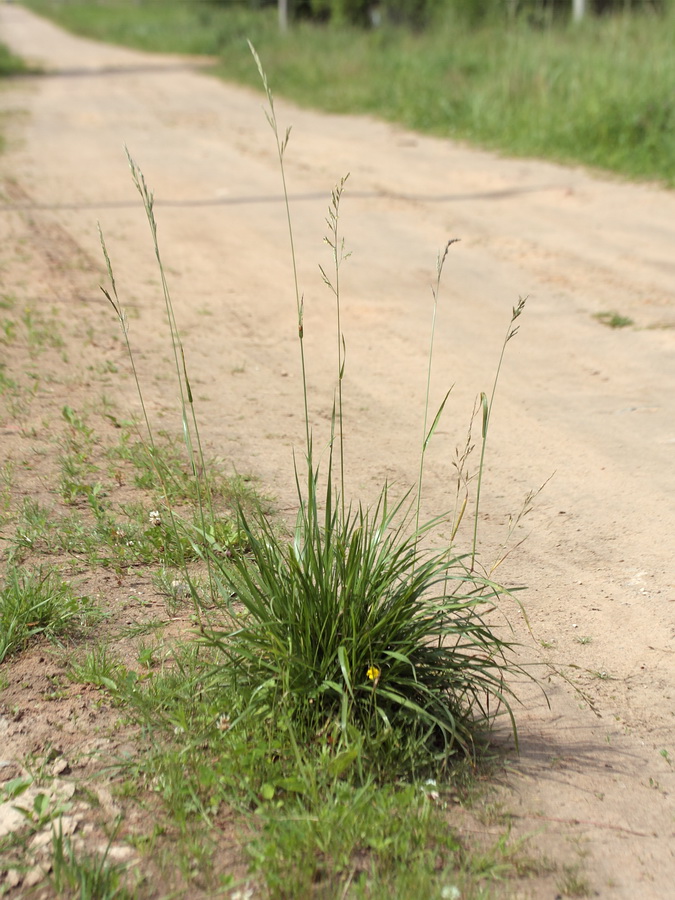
<point x="592" y="406"/>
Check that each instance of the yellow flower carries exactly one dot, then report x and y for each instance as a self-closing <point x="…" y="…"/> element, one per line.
<point x="374" y="673"/>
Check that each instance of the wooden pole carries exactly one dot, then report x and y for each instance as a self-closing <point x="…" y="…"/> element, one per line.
<point x="283" y="15"/>
<point x="578" y="10"/>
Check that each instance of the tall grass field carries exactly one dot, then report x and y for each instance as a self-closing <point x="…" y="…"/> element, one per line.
<point x="599" y="92"/>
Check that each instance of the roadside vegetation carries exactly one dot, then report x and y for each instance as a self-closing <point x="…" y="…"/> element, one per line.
<point x="519" y="78"/>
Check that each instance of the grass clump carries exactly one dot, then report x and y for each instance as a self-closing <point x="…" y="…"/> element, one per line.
<point x="336" y="665"/>
<point x="353" y="631"/>
<point x="84" y="875"/>
<point x="37" y="602"/>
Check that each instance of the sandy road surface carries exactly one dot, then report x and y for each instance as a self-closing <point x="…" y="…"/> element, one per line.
<point x="593" y="405"/>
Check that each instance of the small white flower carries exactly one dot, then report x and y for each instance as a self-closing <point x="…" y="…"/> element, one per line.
<point x="244" y="894"/>
<point x="450" y="892"/>
<point x="155" y="518"/>
<point x="428" y="788"/>
<point x="223" y="722"/>
<point x="179" y="730"/>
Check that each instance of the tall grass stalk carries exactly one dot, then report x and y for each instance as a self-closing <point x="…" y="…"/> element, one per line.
<point x="281" y="145"/>
<point x="486" y="406"/>
<point x="336" y="243"/>
<point x="191" y="433"/>
<point x="427" y="435"/>
<point x="154" y="456"/>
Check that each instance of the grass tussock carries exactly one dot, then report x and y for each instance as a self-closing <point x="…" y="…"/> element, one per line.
<point x="597" y="92"/>
<point x="355" y="634"/>
<point x="37" y="602"/>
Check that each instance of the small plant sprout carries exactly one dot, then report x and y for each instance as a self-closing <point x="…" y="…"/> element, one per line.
<point x="613" y="319"/>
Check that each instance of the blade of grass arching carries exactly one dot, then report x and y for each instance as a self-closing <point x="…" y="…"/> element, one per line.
<point x="511" y="332"/>
<point x="435" y="290"/>
<point x="437" y="419"/>
<point x="281" y="144"/>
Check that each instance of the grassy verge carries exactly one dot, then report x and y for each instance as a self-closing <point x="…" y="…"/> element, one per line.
<point x="599" y="93"/>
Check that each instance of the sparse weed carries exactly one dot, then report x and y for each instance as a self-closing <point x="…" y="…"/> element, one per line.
<point x="99" y="667"/>
<point x="40" y="332"/>
<point x="613" y="319"/>
<point x="601" y="675"/>
<point x="148" y="655"/>
<point x="16" y="397"/>
<point x="34" y="529"/>
<point x="572" y="882"/>
<point x="85" y="876"/>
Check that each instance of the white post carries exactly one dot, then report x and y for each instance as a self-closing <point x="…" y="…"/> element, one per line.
<point x="283" y="15"/>
<point x="578" y="10"/>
